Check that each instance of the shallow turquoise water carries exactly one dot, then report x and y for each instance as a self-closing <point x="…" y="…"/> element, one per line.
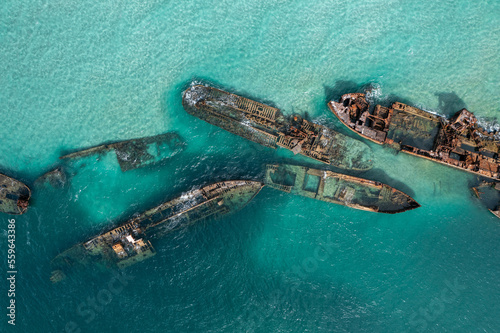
<point x="75" y="74"/>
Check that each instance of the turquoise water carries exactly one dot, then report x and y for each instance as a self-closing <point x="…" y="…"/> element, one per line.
<point x="78" y="73"/>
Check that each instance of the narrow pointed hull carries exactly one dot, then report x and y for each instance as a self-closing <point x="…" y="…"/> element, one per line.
<point x="137" y="153"/>
<point x="328" y="186"/>
<point x="130" y="243"/>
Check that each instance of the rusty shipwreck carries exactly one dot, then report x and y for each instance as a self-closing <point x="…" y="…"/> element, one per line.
<point x="130" y="242"/>
<point x="14" y="196"/>
<point x="137" y="153"/>
<point x="267" y="126"/>
<point x="354" y="192"/>
<point x="459" y="142"/>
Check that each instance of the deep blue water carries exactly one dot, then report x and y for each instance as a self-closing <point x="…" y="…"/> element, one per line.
<point x="75" y="74"/>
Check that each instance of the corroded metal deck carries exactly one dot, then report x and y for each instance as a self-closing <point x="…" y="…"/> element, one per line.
<point x="354" y="192"/>
<point x="130" y="243"/>
<point x="14" y="196"/>
<point x="267" y="126"/>
<point x="458" y="142"/>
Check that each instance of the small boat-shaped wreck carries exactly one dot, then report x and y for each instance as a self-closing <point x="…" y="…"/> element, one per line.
<point x="137" y="153"/>
<point x="14" y="196"/>
<point x="267" y="126"/>
<point x="458" y="142"/>
<point x="354" y="192"/>
<point x="130" y="242"/>
<point x="489" y="194"/>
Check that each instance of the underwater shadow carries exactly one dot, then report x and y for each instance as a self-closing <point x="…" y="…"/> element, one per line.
<point x="449" y="103"/>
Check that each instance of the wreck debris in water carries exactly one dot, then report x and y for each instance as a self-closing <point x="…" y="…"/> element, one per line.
<point x="458" y="142"/>
<point x="489" y="194"/>
<point x="130" y="243"/>
<point x="268" y="126"/>
<point x="14" y="196"/>
<point x="56" y="178"/>
<point x="354" y="192"/>
<point x="137" y="153"/>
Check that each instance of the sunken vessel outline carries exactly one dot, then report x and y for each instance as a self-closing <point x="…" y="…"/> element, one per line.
<point x="337" y="188"/>
<point x="459" y="142"/>
<point x="137" y="153"/>
<point x="267" y="126"/>
<point x="130" y="242"/>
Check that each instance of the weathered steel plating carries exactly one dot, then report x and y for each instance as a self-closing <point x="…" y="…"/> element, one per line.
<point x="129" y="243"/>
<point x="266" y="125"/>
<point x="14" y="196"/>
<point x="458" y="142"/>
<point x="354" y="192"/>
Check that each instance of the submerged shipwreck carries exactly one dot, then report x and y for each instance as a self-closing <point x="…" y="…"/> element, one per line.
<point x="137" y="153"/>
<point x="130" y="243"/>
<point x="489" y="194"/>
<point x="458" y="142"/>
<point x="267" y="126"/>
<point x="354" y="192"/>
<point x="14" y="196"/>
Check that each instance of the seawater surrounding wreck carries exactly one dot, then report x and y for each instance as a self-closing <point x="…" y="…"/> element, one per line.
<point x="129" y="243"/>
<point x="337" y="188"/>
<point x="14" y="196"/>
<point x="459" y="142"/>
<point x="489" y="195"/>
<point x="137" y="153"/>
<point x="267" y="126"/>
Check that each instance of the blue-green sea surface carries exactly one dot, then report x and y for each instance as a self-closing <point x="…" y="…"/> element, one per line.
<point x="74" y="74"/>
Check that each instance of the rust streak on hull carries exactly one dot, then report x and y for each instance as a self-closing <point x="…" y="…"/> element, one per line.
<point x="130" y="243"/>
<point x="354" y="192"/>
<point x="267" y="126"/>
<point x="458" y="142"/>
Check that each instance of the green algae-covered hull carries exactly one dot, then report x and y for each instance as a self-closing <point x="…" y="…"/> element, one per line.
<point x="130" y="243"/>
<point x="14" y="196"/>
<point x="137" y="153"/>
<point x="267" y="126"/>
<point x="338" y="188"/>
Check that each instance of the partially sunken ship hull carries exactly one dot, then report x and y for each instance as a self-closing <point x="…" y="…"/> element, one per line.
<point x="14" y="196"/>
<point x="458" y="142"/>
<point x="489" y="194"/>
<point x="137" y="153"/>
<point x="354" y="192"/>
<point x="266" y="125"/>
<point x="130" y="243"/>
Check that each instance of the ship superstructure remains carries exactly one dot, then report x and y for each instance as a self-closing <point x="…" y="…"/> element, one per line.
<point x="137" y="153"/>
<point x="14" y="196"/>
<point x="458" y="142"/>
<point x="130" y="243"/>
<point x="266" y="125"/>
<point x="354" y="192"/>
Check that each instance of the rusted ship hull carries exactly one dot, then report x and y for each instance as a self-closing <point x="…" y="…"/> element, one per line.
<point x="130" y="242"/>
<point x="354" y="192"/>
<point x="14" y="196"/>
<point x="458" y="142"/>
<point x="137" y="153"/>
<point x="267" y="126"/>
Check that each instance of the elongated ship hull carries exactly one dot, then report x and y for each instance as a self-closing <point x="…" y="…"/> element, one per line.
<point x="130" y="242"/>
<point x="267" y="126"/>
<point x="458" y="142"/>
<point x="354" y="192"/>
<point x="137" y="153"/>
